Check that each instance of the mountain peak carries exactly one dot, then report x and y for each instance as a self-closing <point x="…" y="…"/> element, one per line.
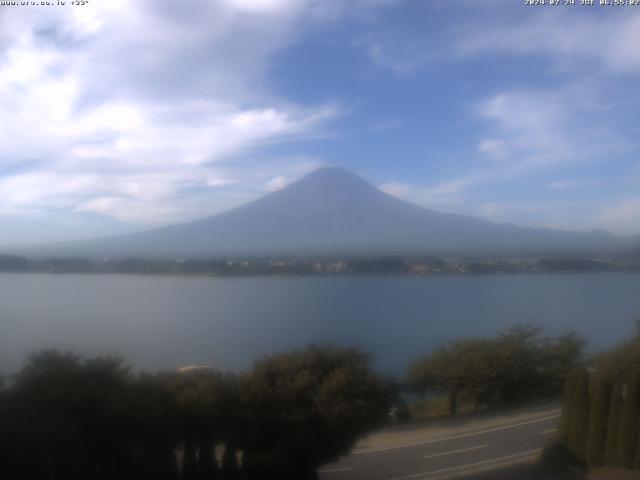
<point x="332" y="181"/>
<point x="333" y="174"/>
<point x="334" y="211"/>
<point x="332" y="171"/>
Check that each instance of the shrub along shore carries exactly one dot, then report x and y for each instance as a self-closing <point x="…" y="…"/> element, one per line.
<point x="65" y="417"/>
<point x="517" y="365"/>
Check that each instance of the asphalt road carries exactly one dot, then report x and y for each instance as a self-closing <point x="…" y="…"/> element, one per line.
<point x="507" y="451"/>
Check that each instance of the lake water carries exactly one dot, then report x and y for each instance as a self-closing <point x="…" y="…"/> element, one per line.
<point x="160" y="322"/>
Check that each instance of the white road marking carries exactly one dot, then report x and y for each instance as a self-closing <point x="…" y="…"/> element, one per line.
<point x="331" y="470"/>
<point x="455" y="437"/>
<point x="499" y="461"/>
<point x="551" y="430"/>
<point x="453" y="452"/>
<point x="479" y="469"/>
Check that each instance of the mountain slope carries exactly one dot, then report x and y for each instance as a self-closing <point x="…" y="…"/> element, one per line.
<point x="333" y="211"/>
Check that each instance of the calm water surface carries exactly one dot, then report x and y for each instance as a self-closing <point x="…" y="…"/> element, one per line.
<point x="164" y="322"/>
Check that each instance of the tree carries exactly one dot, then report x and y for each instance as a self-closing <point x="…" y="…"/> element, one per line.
<point x="559" y="356"/>
<point x="515" y="366"/>
<point x="230" y="467"/>
<point x="309" y="407"/>
<point x="578" y="430"/>
<point x="567" y="405"/>
<point x="199" y="397"/>
<point x="71" y="416"/>
<point x="189" y="458"/>
<point x="520" y="360"/>
<point x="154" y="428"/>
<point x="208" y="468"/>
<point x="636" y="463"/>
<point x="5" y="432"/>
<point x="628" y="431"/>
<point x="613" y="423"/>
<point x="478" y="365"/>
<point x="438" y="372"/>
<point x="466" y="366"/>
<point x="601" y="396"/>
<point x="622" y="362"/>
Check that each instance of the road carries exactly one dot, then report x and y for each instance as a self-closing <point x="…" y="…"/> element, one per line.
<point x="505" y="450"/>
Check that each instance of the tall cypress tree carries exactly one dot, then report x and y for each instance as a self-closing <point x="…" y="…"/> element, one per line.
<point x="579" y="419"/>
<point x="613" y="424"/>
<point x="600" y="398"/>
<point x="230" y="468"/>
<point x="567" y="405"/>
<point x="167" y="465"/>
<point x="190" y="460"/>
<point x="207" y="464"/>
<point x="636" y="463"/>
<point x="628" y="432"/>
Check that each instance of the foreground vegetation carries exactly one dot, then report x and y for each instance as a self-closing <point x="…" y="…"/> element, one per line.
<point x="67" y="418"/>
<point x="601" y="409"/>
<point x="519" y="364"/>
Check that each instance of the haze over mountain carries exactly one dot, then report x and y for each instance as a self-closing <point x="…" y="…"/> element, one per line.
<point x="333" y="211"/>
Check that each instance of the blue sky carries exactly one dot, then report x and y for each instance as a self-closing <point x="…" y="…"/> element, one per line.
<point x="120" y="116"/>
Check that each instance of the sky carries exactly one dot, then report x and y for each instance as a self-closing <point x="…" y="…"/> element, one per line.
<point x="119" y="116"/>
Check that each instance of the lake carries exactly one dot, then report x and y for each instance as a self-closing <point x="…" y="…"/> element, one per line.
<point x="160" y="322"/>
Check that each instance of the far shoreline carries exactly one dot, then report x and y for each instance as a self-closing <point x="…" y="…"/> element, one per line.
<point x="322" y="266"/>
<point x="335" y="275"/>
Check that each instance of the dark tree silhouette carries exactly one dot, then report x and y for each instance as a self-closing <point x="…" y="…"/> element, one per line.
<point x="601" y="396"/>
<point x="309" y="407"/>
<point x="579" y="415"/>
<point x="65" y="418"/>
<point x="230" y="467"/>
<point x="628" y="431"/>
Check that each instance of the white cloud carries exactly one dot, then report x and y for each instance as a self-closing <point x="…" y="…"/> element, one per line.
<point x="217" y="181"/>
<point x="277" y="183"/>
<point x="568" y="184"/>
<point x="494" y="148"/>
<point x="453" y="186"/>
<point x="101" y="204"/>
<point x="603" y="40"/>
<point x="528" y="123"/>
<point x="129" y="109"/>
<point x="397" y="189"/>
<point x="561" y="215"/>
<point x="606" y="38"/>
<point x="260" y="6"/>
<point x="530" y="132"/>
<point x="402" y="61"/>
<point x="622" y="216"/>
<point x="445" y="195"/>
<point x="540" y="129"/>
